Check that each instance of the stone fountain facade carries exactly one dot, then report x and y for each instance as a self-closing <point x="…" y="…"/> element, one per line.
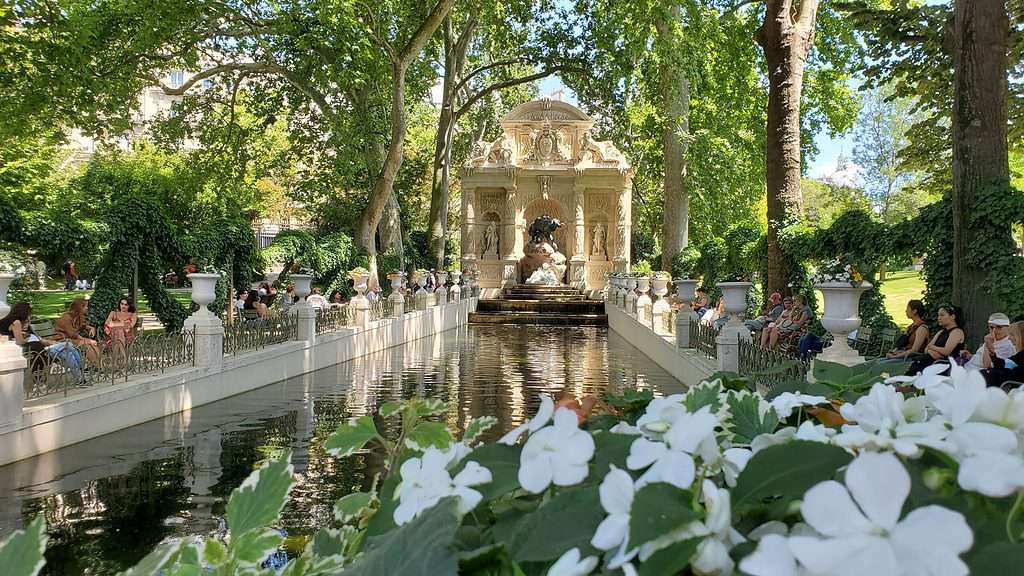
<point x="546" y="163"/>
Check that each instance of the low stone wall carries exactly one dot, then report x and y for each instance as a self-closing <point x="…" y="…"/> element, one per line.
<point x="688" y="365"/>
<point x="50" y="423"/>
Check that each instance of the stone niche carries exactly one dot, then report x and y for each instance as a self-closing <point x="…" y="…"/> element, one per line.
<point x="546" y="162"/>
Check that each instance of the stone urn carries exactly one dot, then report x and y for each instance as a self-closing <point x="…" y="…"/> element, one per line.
<point x="456" y="290"/>
<point x="735" y="294"/>
<point x="629" y="298"/>
<point x="396" y="297"/>
<point x="842" y="316"/>
<point x="643" y="300"/>
<point x="303" y="286"/>
<point x="396" y="282"/>
<point x="686" y="290"/>
<point x="5" y="284"/>
<point x="204" y="290"/>
<point x="659" y="285"/>
<point x="417" y="279"/>
<point x="661" y="308"/>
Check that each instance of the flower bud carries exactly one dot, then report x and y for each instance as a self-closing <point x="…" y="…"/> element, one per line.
<point x="936" y="478"/>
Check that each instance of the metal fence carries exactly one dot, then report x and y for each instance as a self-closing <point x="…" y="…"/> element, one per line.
<point x="64" y="366"/>
<point x="380" y="308"/>
<point x="252" y="334"/>
<point x="334" y="317"/>
<point x="767" y="368"/>
<point x="702" y="337"/>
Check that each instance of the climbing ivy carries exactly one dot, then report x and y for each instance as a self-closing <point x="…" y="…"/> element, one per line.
<point x="329" y="256"/>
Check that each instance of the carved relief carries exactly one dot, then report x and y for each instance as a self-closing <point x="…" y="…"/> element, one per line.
<point x="546" y="146"/>
<point x="599" y="153"/>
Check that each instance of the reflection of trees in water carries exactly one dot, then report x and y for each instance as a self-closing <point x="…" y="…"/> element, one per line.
<point x="111" y="523"/>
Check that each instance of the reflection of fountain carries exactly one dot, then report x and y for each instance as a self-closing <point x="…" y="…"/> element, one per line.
<point x="542" y="262"/>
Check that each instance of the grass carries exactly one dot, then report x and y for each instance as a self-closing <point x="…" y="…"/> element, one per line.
<point x="899" y="288"/>
<point x="51" y="304"/>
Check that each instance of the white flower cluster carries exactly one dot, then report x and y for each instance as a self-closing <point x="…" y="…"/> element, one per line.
<point x="837" y="271"/>
<point x="11" y="267"/>
<point x="855" y="527"/>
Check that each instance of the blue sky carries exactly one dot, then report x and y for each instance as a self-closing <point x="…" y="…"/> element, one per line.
<point x="828" y="148"/>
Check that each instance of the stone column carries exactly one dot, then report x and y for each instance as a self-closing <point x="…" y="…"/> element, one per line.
<point x="728" y="343"/>
<point x="305" y="315"/>
<point x="578" y="263"/>
<point x="510" y="223"/>
<point x="12" y="384"/>
<point x="468" y="240"/>
<point x="623" y="225"/>
<point x="396" y="297"/>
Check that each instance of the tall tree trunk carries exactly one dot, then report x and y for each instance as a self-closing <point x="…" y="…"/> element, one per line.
<point x="676" y="101"/>
<point x="390" y="230"/>
<point x="786" y="36"/>
<point x="980" y="158"/>
<point x="384" y="186"/>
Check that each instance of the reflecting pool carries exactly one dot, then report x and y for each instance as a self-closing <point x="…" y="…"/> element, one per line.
<point x="110" y="500"/>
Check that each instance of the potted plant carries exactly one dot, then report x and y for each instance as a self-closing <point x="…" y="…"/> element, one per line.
<point x="841" y="285"/>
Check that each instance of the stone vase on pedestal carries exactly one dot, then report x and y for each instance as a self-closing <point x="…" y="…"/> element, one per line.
<point x="643" y="300"/>
<point x="207" y="327"/>
<point x="305" y="315"/>
<point x="455" y="292"/>
<point x="441" y="292"/>
<point x="686" y="291"/>
<point x="629" y="301"/>
<point x="660" y="309"/>
<point x="420" y="296"/>
<point x="842" y="316"/>
<point x="396" y="298"/>
<point x="360" y="303"/>
<point x="735" y="294"/>
<point x="5" y="284"/>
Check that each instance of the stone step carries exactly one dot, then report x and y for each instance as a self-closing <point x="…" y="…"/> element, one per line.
<point x="542" y="306"/>
<point x="544" y="297"/>
<point x="538" y="319"/>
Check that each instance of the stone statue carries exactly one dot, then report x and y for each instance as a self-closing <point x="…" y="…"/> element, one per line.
<point x="543" y="230"/>
<point x="597" y="250"/>
<point x="490" y="240"/>
<point x="542" y="255"/>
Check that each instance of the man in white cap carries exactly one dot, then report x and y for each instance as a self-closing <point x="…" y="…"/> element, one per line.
<point x="997" y="343"/>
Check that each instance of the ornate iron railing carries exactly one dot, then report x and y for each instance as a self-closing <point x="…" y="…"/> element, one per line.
<point x="65" y="366"/>
<point x="380" y="308"/>
<point x="334" y="317"/>
<point x="767" y="367"/>
<point x="702" y="337"/>
<point x="253" y="334"/>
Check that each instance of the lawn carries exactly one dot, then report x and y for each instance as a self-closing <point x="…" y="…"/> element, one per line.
<point x="899" y="288"/>
<point x="52" y="303"/>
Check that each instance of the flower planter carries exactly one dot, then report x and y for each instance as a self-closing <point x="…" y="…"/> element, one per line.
<point x="5" y="284"/>
<point x="303" y="286"/>
<point x="456" y="289"/>
<point x="396" y="281"/>
<point x="659" y="286"/>
<point x="686" y="290"/>
<point x="629" y="298"/>
<point x="842" y="316"/>
<point x="204" y="290"/>
<point x="735" y="294"/>
<point x="660" y="309"/>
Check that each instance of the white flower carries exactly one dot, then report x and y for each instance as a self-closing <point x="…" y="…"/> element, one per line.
<point x="960" y="397"/>
<point x="867" y="537"/>
<point x="990" y="462"/>
<point x="1000" y="408"/>
<point x="886" y="420"/>
<point x="712" y="556"/>
<point x="660" y="414"/>
<point x="547" y="408"/>
<point x="772" y="558"/>
<point x="785" y="403"/>
<point x="734" y="460"/>
<point x="625" y="428"/>
<point x="814" y="432"/>
<point x="929" y="377"/>
<point x="780" y="436"/>
<point x="556" y="454"/>
<point x="671" y="461"/>
<point x="570" y="564"/>
<point x="617" y="492"/>
<point x="426" y="480"/>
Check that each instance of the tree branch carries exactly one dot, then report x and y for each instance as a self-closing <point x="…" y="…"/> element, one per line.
<point x="419" y="40"/>
<point x="481" y="69"/>
<point x="508" y="84"/>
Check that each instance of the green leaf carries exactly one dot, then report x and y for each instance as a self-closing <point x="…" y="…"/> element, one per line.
<point x="253" y="547"/>
<point x="671" y="560"/>
<point x="858" y="377"/>
<point x="502" y="461"/>
<point x="214" y="552"/>
<point x="259" y="500"/>
<point x="477" y="427"/>
<point x="704" y="394"/>
<point x="384" y="519"/>
<point x="21" y="554"/>
<point x="188" y="563"/>
<point x="567" y="521"/>
<point x="420" y="548"/>
<point x="423" y="407"/>
<point x="329" y="542"/>
<point x="747" y="420"/>
<point x="429" y="434"/>
<point x="491" y="560"/>
<point x="391" y="408"/>
<point x="351" y="437"/>
<point x="732" y="380"/>
<point x="609" y="448"/>
<point x="996" y="559"/>
<point x="155" y="561"/>
<point x="354" y="505"/>
<point x="658" y="509"/>
<point x="787" y="471"/>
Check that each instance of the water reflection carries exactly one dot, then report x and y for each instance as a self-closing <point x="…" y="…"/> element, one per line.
<point x="109" y="500"/>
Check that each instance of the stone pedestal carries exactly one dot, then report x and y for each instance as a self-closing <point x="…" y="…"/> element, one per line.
<point x="578" y="272"/>
<point x="643" y="300"/>
<point x="12" y="385"/>
<point x="209" y="338"/>
<point x="684" y="319"/>
<point x="735" y="294"/>
<point x="305" y="316"/>
<point x="441" y="292"/>
<point x="5" y="283"/>
<point x="455" y="292"/>
<point x="728" y="350"/>
<point x="508" y="273"/>
<point x="660" y="310"/>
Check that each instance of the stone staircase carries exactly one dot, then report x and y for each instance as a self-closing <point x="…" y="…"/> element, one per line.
<point x="547" y="305"/>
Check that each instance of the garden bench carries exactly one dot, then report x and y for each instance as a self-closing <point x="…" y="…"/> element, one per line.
<point x="43" y="329"/>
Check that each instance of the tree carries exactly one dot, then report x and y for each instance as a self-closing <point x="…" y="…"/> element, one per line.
<point x="980" y="155"/>
<point x="675" y="89"/>
<point x="879" y="135"/>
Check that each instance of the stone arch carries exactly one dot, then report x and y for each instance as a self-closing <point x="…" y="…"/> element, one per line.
<point x="553" y="208"/>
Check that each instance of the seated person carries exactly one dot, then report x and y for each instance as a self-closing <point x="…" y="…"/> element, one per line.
<point x="1009" y="369"/>
<point x="289" y="297"/>
<point x="243" y="295"/>
<point x="712" y="315"/>
<point x="72" y="324"/>
<point x="788" y="328"/>
<point x="336" y="299"/>
<point x="915" y="337"/>
<point x="997" y="343"/>
<point x="317" y="300"/>
<point x="701" y="302"/>
<point x="772" y="310"/>
<point x="253" y="303"/>
<point x="16" y="326"/>
<point x="948" y="342"/>
<point x="120" y="323"/>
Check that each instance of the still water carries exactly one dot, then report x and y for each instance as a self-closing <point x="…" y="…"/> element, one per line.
<point x="110" y="500"/>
